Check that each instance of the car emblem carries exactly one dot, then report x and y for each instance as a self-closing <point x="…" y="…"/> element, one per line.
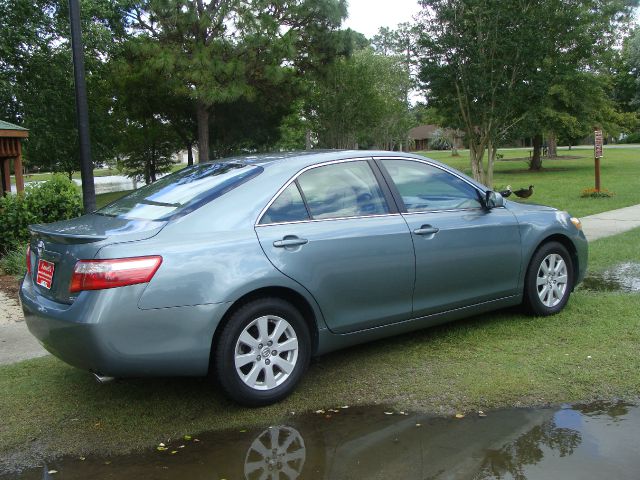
<point x="40" y="247"/>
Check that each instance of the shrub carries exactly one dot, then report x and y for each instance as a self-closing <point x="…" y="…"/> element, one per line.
<point x="14" y="262"/>
<point x="45" y="202"/>
<point x="593" y="193"/>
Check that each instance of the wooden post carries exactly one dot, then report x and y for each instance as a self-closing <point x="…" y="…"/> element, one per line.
<point x="6" y="176"/>
<point x="17" y="166"/>
<point x="597" y="154"/>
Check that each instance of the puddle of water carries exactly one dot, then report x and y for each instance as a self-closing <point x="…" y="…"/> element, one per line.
<point x="624" y="277"/>
<point x="592" y="441"/>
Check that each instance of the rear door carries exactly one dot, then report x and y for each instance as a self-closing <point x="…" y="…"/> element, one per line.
<point x="465" y="254"/>
<point x="336" y="232"/>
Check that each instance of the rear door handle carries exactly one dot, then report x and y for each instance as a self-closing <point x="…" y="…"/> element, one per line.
<point x="426" y="230"/>
<point x="290" y="241"/>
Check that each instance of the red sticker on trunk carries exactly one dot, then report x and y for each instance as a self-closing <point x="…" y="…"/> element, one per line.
<point x="44" y="277"/>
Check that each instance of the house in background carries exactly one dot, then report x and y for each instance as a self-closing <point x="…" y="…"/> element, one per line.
<point x="422" y="137"/>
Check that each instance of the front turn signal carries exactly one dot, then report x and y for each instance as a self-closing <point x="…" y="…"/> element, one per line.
<point x="576" y="221"/>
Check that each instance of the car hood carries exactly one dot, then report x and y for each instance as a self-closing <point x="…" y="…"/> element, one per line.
<point x="527" y="207"/>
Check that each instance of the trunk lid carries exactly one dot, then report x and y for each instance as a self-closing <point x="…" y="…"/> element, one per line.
<point x="62" y="244"/>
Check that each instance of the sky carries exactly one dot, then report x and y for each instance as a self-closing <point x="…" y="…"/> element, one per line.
<point x="366" y="16"/>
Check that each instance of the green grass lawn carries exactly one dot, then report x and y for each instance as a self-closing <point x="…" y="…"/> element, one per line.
<point x="561" y="181"/>
<point x="98" y="172"/>
<point x="502" y="359"/>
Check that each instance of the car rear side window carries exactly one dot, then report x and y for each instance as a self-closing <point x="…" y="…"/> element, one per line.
<point x="347" y="189"/>
<point x="288" y="207"/>
<point x="427" y="188"/>
<point x="181" y="192"/>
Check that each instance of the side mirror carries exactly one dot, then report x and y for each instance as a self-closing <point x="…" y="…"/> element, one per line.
<point x="493" y="200"/>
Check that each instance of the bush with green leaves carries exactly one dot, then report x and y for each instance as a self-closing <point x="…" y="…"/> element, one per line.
<point x="45" y="202"/>
<point x="13" y="262"/>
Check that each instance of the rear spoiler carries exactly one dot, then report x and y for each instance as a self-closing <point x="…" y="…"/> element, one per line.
<point x="63" y="237"/>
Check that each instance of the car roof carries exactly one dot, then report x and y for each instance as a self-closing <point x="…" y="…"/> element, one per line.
<point x="303" y="158"/>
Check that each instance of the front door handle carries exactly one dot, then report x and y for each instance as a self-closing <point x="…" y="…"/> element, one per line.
<point x="290" y="241"/>
<point x="426" y="230"/>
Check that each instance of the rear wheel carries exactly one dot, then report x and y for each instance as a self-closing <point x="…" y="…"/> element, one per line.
<point x="262" y="352"/>
<point x="549" y="280"/>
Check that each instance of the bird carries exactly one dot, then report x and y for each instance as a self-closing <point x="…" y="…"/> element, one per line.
<point x="524" y="192"/>
<point x="505" y="193"/>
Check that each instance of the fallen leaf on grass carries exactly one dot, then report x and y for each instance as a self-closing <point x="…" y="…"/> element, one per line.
<point x="187" y="437"/>
<point x="173" y="452"/>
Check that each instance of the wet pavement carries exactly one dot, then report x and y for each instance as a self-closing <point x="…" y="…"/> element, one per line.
<point x="593" y="441"/>
<point x="624" y="277"/>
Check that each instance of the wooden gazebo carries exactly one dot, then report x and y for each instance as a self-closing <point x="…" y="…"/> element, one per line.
<point x="11" y="148"/>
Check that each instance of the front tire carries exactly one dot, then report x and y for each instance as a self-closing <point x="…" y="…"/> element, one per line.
<point x="262" y="352"/>
<point x="549" y="280"/>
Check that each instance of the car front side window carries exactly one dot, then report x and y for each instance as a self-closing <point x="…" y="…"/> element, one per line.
<point x="427" y="188"/>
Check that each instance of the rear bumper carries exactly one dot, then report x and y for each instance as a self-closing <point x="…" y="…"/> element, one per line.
<point x="105" y="332"/>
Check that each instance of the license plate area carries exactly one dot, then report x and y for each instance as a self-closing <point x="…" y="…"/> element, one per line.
<point x="44" y="275"/>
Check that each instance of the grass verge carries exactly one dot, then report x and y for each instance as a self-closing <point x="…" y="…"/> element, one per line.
<point x="589" y="351"/>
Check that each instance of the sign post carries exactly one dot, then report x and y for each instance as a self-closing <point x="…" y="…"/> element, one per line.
<point x="597" y="134"/>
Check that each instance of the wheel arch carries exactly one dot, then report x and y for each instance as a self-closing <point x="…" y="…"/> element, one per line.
<point x="285" y="293"/>
<point x="566" y="242"/>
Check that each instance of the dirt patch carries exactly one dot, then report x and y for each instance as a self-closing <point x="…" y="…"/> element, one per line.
<point x="526" y="159"/>
<point x="541" y="171"/>
<point x="10" y="285"/>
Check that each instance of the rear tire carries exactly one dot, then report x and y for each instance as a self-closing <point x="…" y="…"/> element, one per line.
<point x="262" y="352"/>
<point x="549" y="280"/>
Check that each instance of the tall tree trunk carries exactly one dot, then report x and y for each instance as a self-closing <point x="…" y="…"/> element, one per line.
<point x="476" y="155"/>
<point x="536" y="158"/>
<point x="553" y="145"/>
<point x="307" y="140"/>
<point x="491" y="153"/>
<point x="190" y="154"/>
<point x="202" y="117"/>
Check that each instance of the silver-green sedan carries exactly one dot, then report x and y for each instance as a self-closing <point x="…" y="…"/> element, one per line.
<point x="247" y="267"/>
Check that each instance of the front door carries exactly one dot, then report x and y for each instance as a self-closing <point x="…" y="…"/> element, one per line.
<point x="335" y="231"/>
<point x="465" y="254"/>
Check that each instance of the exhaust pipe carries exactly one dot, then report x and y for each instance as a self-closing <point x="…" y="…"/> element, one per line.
<point x="103" y="379"/>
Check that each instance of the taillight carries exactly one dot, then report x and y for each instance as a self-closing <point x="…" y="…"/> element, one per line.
<point x="117" y="272"/>
<point x="28" y="259"/>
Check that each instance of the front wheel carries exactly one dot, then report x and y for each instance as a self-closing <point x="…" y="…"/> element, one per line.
<point x="549" y="280"/>
<point x="262" y="352"/>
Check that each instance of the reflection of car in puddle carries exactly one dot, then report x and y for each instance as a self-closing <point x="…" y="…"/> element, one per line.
<point x="592" y="441"/>
<point x="276" y="453"/>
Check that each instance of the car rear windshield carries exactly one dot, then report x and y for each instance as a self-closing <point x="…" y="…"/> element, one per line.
<point x="181" y="192"/>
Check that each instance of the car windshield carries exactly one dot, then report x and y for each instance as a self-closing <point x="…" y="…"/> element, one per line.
<point x="181" y="192"/>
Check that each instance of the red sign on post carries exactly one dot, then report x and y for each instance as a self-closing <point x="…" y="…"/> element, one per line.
<point x="598" y="143"/>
